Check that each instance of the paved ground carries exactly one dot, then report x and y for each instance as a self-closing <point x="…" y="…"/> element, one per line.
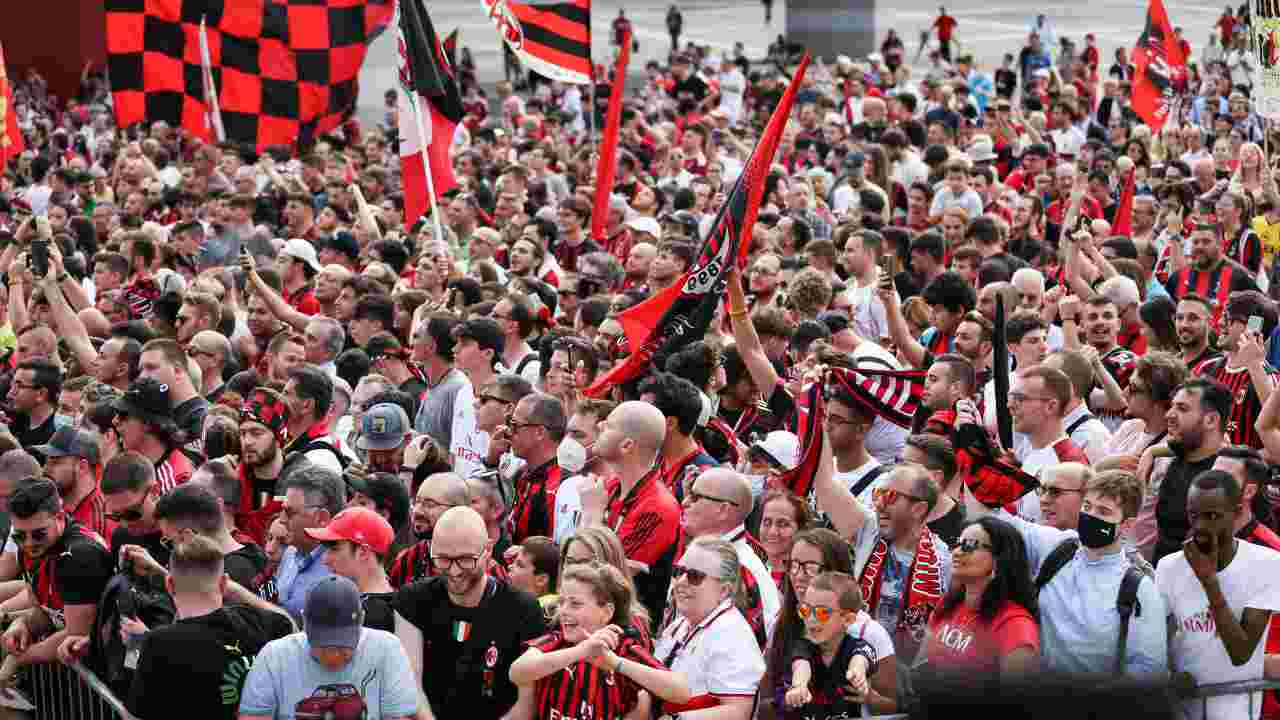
<point x="988" y="31"/>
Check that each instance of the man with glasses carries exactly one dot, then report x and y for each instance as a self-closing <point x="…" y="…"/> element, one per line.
<point x="436" y="494"/>
<point x="15" y="465"/>
<point x="716" y="505"/>
<point x="66" y="568"/>
<point x="464" y="628"/>
<point x="765" y="282"/>
<point x="33" y="396"/>
<point x="1061" y="493"/>
<point x="904" y="567"/>
<point x="534" y="429"/>
<point x="1038" y="399"/>
<point x="313" y="496"/>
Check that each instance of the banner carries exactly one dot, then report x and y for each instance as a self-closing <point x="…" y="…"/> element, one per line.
<point x="550" y="38"/>
<point x="1264" y="38"/>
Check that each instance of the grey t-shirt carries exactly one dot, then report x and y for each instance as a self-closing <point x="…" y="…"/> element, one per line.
<point x="286" y="682"/>
<point x="435" y="412"/>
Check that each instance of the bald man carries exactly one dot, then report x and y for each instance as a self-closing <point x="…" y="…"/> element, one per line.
<point x="437" y="494"/>
<point x="635" y="503"/>
<point x="716" y="505"/>
<point x="465" y="625"/>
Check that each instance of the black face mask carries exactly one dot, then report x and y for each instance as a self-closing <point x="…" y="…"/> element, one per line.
<point x="1095" y="532"/>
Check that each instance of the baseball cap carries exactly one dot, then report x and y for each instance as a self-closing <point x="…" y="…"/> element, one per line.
<point x="359" y="525"/>
<point x="484" y="331"/>
<point x="834" y="321"/>
<point x="70" y="441"/>
<point x="333" y="615"/>
<point x="300" y="249"/>
<point x="782" y="448"/>
<point x="383" y="427"/>
<point x="343" y="242"/>
<point x="646" y="225"/>
<point x="387" y="491"/>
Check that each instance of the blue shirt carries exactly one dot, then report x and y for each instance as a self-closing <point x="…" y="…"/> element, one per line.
<point x="296" y="576"/>
<point x="1079" y="623"/>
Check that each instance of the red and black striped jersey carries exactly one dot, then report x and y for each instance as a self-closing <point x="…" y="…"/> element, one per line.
<point x="1120" y="362"/>
<point x="583" y="691"/>
<point x="532" y="512"/>
<point x="1226" y="277"/>
<point x="1246" y="406"/>
<point x="1246" y="249"/>
<point x="414" y="563"/>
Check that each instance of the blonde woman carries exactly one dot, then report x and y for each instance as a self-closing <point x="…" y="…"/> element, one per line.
<point x="1247" y="178"/>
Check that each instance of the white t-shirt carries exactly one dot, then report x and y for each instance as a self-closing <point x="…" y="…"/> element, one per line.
<point x="1034" y="461"/>
<point x="568" y="508"/>
<point x="719" y="657"/>
<point x="1092" y="435"/>
<point x="468" y="444"/>
<point x="869" y="319"/>
<point x="1251" y="580"/>
<point x="865" y="628"/>
<point x="732" y="86"/>
<point x="770" y="598"/>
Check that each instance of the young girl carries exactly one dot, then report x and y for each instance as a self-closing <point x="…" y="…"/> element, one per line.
<point x="591" y="660"/>
<point x="829" y="666"/>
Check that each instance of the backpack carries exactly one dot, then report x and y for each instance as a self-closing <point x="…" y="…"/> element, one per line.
<point x="1126" y="599"/>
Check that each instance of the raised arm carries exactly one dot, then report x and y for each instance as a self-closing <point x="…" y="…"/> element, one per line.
<point x="67" y="322"/>
<point x="911" y="349"/>
<point x="274" y="300"/>
<point x="744" y="333"/>
<point x="845" y="511"/>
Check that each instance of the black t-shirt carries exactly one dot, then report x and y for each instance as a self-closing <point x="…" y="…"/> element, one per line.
<point x="196" y="667"/>
<point x="28" y="437"/>
<point x="244" y="565"/>
<point x="379" y="612"/>
<point x="1171" y="506"/>
<point x="1006" y="82"/>
<point x="470" y="677"/>
<point x="73" y="571"/>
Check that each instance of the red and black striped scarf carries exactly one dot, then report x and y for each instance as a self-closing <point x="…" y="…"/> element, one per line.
<point x="923" y="589"/>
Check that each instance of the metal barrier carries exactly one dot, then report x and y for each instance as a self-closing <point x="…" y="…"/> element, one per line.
<point x="1250" y="687"/>
<point x="61" y="692"/>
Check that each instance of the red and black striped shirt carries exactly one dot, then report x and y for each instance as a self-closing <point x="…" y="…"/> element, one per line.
<point x="532" y="512"/>
<point x="583" y="691"/>
<point x="1226" y="277"/>
<point x="1246" y="406"/>
<point x="1259" y="534"/>
<point x="414" y="563"/>
<point x="1246" y="249"/>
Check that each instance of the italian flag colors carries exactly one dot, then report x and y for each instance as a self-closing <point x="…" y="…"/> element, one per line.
<point x="461" y="630"/>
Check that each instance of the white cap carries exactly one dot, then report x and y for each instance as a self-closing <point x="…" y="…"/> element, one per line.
<point x="782" y="446"/>
<point x="302" y="250"/>
<point x="646" y="225"/>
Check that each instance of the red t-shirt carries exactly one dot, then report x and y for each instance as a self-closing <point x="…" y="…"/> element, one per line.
<point x="304" y="301"/>
<point x="959" y="640"/>
<point x="946" y="25"/>
<point x="647" y="520"/>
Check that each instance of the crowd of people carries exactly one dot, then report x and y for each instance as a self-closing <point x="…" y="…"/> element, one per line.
<point x="271" y="451"/>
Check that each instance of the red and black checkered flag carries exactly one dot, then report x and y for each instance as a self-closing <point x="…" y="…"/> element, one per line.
<point x="285" y="69"/>
<point x="682" y="313"/>
<point x="551" y="37"/>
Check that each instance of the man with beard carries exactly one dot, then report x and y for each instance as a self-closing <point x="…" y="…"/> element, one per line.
<point x="950" y="378"/>
<point x="443" y="621"/>
<point x="672" y="262"/>
<point x="974" y="335"/>
<point x="1191" y="321"/>
<point x="1197" y="422"/>
<point x="436" y="494"/>
<point x="1244" y="371"/>
<point x="765" y="281"/>
<point x="1210" y="274"/>
<point x="263" y="421"/>
<point x="309" y="395"/>
<point x="904" y="564"/>
<point x="73" y="464"/>
<point x="385" y="432"/>
<point x="66" y="567"/>
<point x="862" y="250"/>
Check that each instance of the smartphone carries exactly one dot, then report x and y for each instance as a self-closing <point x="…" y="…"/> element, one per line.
<point x="40" y="257"/>
<point x="1255" y="324"/>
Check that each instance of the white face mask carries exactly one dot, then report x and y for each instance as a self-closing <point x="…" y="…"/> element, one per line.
<point x="757" y="483"/>
<point x="571" y="455"/>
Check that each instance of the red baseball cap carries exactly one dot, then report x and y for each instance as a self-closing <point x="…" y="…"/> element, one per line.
<point x="359" y="525"/>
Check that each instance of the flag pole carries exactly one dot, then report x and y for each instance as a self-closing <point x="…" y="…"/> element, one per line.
<point x="210" y="90"/>
<point x="426" y="166"/>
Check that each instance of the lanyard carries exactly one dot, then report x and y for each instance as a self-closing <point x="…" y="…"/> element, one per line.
<point x="725" y="606"/>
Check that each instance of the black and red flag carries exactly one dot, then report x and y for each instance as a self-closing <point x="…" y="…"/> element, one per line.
<point x="286" y="70"/>
<point x="1159" y="68"/>
<point x="682" y="313"/>
<point x="429" y="93"/>
<point x="607" y="164"/>
<point x="451" y="49"/>
<point x="552" y="38"/>
<point x="799" y="480"/>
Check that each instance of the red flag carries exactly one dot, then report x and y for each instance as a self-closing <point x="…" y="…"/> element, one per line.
<point x="682" y="313"/>
<point x="427" y="81"/>
<point x="1160" y="68"/>
<point x="607" y="164"/>
<point x="11" y="142"/>
<point x="1124" y="214"/>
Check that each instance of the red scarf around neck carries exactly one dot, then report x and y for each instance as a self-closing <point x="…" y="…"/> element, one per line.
<point x="923" y="589"/>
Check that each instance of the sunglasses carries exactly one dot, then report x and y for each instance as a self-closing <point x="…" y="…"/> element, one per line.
<point x="821" y="612"/>
<point x="969" y="545"/>
<point x="694" y="577"/>
<point x="889" y="496"/>
<point x="39" y="536"/>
